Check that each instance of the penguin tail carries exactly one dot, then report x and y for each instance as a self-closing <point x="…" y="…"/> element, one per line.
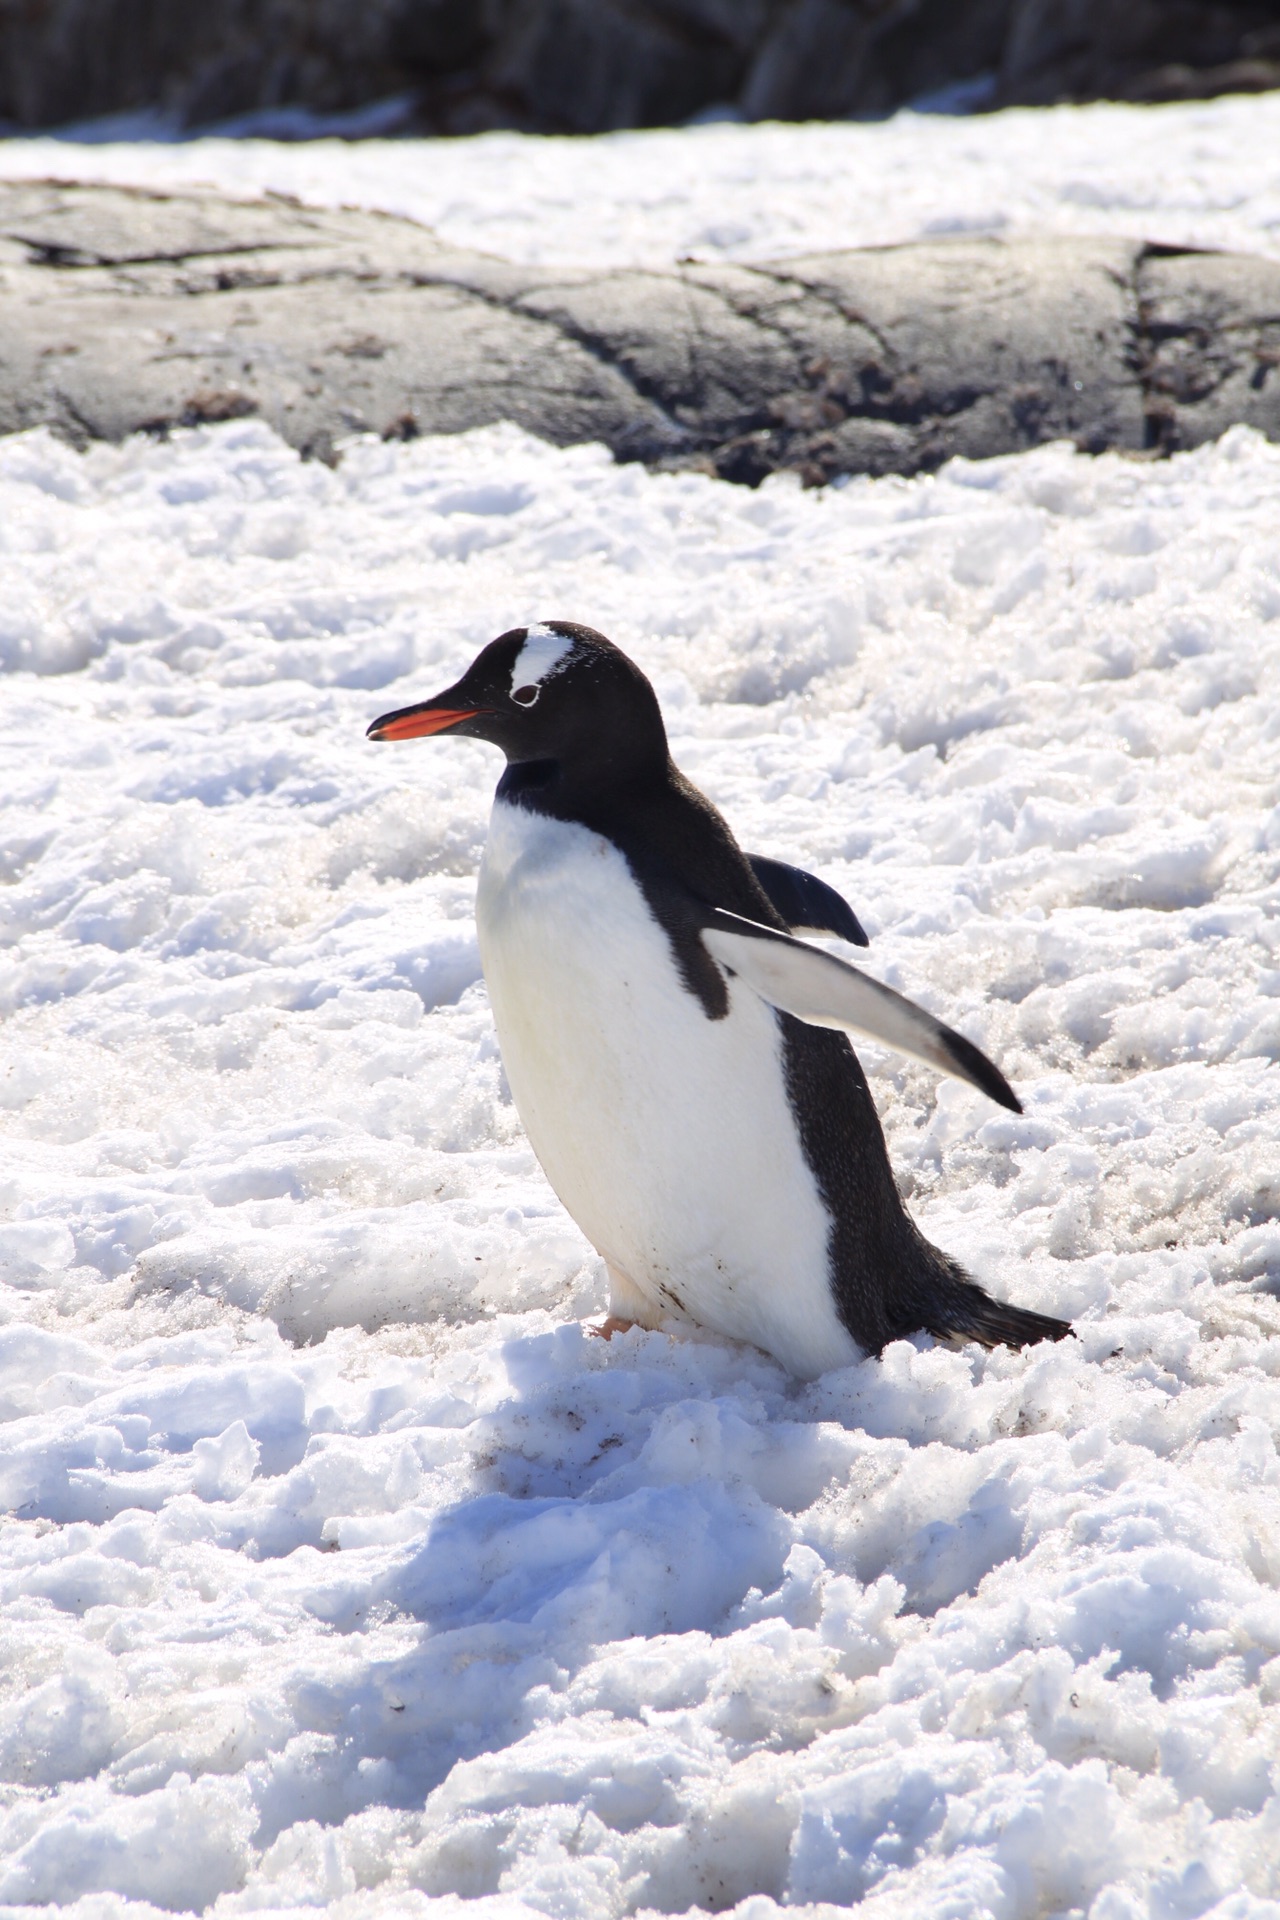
<point x="970" y="1314"/>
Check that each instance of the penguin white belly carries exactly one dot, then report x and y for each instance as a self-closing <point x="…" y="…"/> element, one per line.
<point x="668" y="1136"/>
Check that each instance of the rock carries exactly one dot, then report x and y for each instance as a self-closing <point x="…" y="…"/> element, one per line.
<point x="591" y="65"/>
<point x="65" y="60"/>
<point x="129" y="312"/>
<point x="1211" y="345"/>
<point x="436" y="37"/>
<point x="811" y="64"/>
<point x="824" y="59"/>
<point x="588" y="65"/>
<point x="1090" y="49"/>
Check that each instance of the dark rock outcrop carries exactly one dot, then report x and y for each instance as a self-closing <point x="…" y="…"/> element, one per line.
<point x="1140" y="50"/>
<point x="123" y="311"/>
<point x="583" y="66"/>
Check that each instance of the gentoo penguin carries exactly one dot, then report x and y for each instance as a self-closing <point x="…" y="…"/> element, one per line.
<point x="679" y="1059"/>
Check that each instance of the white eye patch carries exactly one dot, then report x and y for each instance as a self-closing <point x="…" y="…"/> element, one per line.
<point x="542" y="654"/>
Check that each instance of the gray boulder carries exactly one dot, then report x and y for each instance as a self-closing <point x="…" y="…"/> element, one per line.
<point x="125" y="312"/>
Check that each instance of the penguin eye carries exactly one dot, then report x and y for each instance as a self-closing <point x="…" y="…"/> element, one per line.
<point x="526" y="696"/>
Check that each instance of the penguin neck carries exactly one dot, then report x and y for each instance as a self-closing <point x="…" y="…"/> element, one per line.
<point x="586" y="786"/>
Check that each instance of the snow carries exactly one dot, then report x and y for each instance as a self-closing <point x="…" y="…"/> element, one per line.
<point x="1201" y="173"/>
<point x="346" y="1570"/>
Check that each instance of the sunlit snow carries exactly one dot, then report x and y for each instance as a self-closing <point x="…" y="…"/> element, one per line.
<point x="347" y="1570"/>
<point x="1201" y="173"/>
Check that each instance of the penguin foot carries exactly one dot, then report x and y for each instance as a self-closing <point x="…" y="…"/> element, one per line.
<point x="607" y="1328"/>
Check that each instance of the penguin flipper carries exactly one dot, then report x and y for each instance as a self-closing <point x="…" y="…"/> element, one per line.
<point x="826" y="992"/>
<point x="807" y="904"/>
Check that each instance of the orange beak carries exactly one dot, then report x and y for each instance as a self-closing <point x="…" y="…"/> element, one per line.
<point x="413" y="723"/>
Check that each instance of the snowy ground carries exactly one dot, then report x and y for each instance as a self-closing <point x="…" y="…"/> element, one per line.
<point x="644" y="1624"/>
<point x="1202" y="174"/>
<point x="347" y="1571"/>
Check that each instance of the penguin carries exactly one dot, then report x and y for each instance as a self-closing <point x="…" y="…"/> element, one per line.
<point x="679" y="1058"/>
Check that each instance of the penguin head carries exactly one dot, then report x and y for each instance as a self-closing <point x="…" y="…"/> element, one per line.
<point x="553" y="693"/>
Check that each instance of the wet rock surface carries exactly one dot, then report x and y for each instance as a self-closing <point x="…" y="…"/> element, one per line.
<point x="125" y="311"/>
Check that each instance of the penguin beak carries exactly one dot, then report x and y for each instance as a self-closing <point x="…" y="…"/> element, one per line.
<point x="414" y="723"/>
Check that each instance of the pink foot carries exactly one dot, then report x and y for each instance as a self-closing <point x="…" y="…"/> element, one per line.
<point x="607" y="1328"/>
